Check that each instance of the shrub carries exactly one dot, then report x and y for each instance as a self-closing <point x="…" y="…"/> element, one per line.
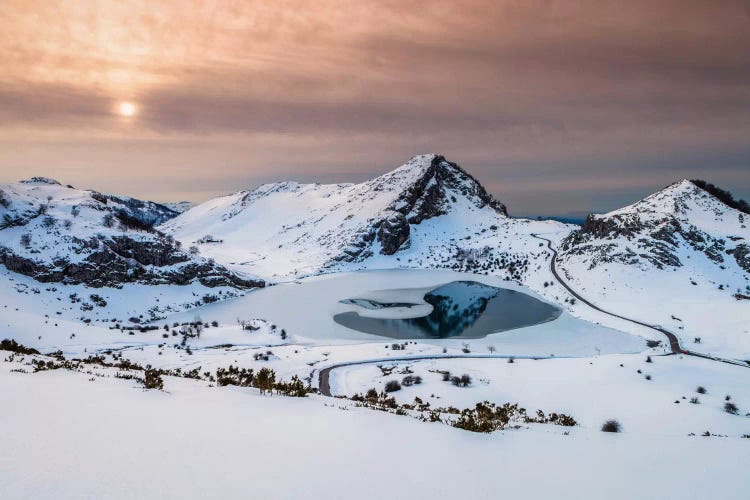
<point x="648" y="359"/>
<point x="265" y="380"/>
<point x="611" y="426"/>
<point x="372" y="394"/>
<point x="152" y="379"/>
<point x="695" y="401"/>
<point x="462" y="381"/>
<point x="730" y="407"/>
<point x="392" y="386"/>
<point x="13" y="346"/>
<point x="701" y="390"/>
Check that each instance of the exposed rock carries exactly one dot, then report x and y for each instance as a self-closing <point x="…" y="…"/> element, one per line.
<point x="393" y="233"/>
<point x="742" y="256"/>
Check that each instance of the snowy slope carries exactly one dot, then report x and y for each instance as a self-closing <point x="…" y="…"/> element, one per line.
<point x="427" y="213"/>
<point x="83" y="258"/>
<point x="678" y="258"/>
<point x="60" y="234"/>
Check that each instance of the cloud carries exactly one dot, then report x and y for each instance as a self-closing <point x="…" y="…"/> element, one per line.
<point x="521" y="91"/>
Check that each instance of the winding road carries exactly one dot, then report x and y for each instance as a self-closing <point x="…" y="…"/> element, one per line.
<point x="674" y="342"/>
<point x="324" y="384"/>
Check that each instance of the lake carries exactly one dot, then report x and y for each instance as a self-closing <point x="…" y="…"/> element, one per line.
<point x="459" y="309"/>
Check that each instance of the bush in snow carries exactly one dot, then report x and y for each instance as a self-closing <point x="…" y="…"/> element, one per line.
<point x="462" y="381"/>
<point x="411" y="380"/>
<point x="152" y="379"/>
<point x="392" y="386"/>
<point x="611" y="426"/>
<point x="701" y="390"/>
<point x="730" y="407"/>
<point x="13" y="346"/>
<point x="695" y="401"/>
<point x="265" y="380"/>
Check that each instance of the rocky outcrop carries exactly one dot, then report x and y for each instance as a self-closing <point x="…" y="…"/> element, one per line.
<point x="436" y="189"/>
<point x="106" y="267"/>
<point x="742" y="255"/>
<point x="430" y="194"/>
<point x="393" y="233"/>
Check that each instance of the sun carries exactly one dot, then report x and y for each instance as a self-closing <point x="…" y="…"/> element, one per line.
<point x="127" y="108"/>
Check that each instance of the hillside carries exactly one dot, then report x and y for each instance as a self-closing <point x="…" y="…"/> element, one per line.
<point x="679" y="258"/>
<point x="427" y="213"/>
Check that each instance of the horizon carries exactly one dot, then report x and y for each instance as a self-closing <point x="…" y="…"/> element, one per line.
<point x="557" y="108"/>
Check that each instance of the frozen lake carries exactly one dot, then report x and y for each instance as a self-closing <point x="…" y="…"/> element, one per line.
<point x="459" y="309"/>
<point x="306" y="310"/>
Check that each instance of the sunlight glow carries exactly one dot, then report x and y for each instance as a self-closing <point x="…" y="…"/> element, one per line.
<point x="127" y="109"/>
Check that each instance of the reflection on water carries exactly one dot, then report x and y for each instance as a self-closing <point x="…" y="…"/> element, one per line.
<point x="465" y="309"/>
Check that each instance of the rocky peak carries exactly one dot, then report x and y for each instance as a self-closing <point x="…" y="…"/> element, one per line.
<point x="431" y="185"/>
<point x="683" y="215"/>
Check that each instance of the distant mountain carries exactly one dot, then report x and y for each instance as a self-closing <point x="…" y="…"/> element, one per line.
<point x="427" y="213"/>
<point x="664" y="230"/>
<point x="57" y="233"/>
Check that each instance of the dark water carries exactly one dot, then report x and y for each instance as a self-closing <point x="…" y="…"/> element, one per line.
<point x="461" y="309"/>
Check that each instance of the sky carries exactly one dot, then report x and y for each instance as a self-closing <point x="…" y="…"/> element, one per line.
<point x="556" y="107"/>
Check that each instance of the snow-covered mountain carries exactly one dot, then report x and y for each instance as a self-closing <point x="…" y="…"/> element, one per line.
<point x="681" y="221"/>
<point x="59" y="234"/>
<point x="427" y="213"/>
<point x="680" y="258"/>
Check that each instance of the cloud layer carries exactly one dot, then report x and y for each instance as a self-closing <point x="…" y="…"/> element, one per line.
<point x="556" y="106"/>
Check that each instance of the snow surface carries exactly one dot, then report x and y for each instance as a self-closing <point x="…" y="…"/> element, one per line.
<point x="75" y="435"/>
<point x="92" y="435"/>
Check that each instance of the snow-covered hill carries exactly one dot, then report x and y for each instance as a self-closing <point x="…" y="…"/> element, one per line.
<point x="427" y="213"/>
<point x="59" y="234"/>
<point x="679" y="258"/>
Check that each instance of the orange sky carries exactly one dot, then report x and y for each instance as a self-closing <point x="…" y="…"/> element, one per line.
<point x="556" y="106"/>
